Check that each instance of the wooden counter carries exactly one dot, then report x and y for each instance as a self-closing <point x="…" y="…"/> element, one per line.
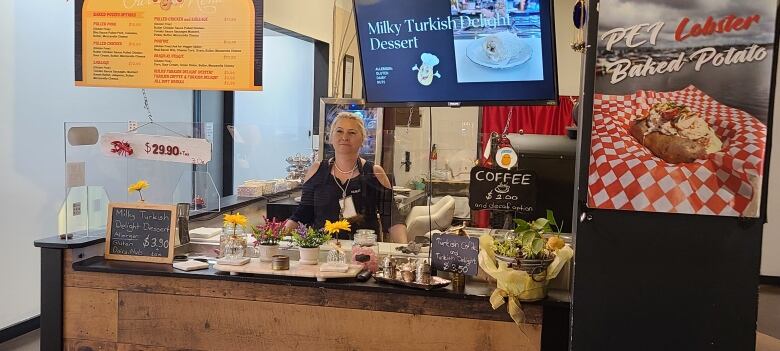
<point x="117" y="305"/>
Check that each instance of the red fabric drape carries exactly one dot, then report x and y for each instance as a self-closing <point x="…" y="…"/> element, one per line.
<point x="550" y="120"/>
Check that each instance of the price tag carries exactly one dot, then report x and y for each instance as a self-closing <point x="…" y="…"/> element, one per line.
<point x="452" y="253"/>
<point x="140" y="232"/>
<point x="156" y="147"/>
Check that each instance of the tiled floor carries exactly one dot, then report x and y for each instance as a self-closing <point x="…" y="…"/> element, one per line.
<point x="768" y="318"/>
<point x="769" y="310"/>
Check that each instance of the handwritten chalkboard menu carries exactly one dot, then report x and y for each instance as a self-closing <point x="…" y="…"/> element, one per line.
<point x="141" y="232"/>
<point x="452" y="253"/>
<point x="500" y="189"/>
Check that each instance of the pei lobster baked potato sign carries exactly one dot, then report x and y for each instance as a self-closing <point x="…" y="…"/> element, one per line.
<point x="681" y="106"/>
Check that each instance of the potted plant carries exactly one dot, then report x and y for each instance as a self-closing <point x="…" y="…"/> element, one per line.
<point x="531" y="248"/>
<point x="309" y="241"/>
<point x="267" y="238"/>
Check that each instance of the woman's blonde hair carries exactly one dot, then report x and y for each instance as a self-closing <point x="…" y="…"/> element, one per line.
<point x="352" y="117"/>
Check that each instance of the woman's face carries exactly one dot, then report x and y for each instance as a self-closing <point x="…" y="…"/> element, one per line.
<point x="346" y="136"/>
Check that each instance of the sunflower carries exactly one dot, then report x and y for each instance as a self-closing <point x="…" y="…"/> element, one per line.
<point x="138" y="186"/>
<point x="335" y="227"/>
<point x="235" y="219"/>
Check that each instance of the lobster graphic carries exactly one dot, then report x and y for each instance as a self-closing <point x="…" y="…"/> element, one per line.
<point x="166" y="4"/>
<point x="121" y="148"/>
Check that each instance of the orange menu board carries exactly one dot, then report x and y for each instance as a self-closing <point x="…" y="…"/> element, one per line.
<point x="173" y="44"/>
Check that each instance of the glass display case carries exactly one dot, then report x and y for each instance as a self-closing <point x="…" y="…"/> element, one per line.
<point x="104" y="159"/>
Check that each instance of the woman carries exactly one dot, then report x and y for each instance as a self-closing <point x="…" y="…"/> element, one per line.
<point x="347" y="186"/>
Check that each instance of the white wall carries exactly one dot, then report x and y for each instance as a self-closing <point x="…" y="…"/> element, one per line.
<point x="569" y="62"/>
<point x="38" y="96"/>
<point x="312" y="18"/>
<point x="454" y="133"/>
<point x="770" y="260"/>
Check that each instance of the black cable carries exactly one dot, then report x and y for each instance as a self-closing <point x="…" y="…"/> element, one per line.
<point x="430" y="183"/>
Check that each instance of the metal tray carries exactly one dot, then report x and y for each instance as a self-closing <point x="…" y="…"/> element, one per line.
<point x="437" y="282"/>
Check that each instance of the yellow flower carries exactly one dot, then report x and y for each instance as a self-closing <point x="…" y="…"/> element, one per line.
<point x="138" y="186"/>
<point x="335" y="227"/>
<point x="236" y="219"/>
<point x="555" y="243"/>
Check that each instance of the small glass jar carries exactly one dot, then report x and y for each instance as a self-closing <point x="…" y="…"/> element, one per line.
<point x="337" y="256"/>
<point x="232" y="242"/>
<point x="365" y="250"/>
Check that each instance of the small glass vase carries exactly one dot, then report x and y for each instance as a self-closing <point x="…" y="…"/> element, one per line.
<point x="235" y="247"/>
<point x="232" y="242"/>
<point x="337" y="255"/>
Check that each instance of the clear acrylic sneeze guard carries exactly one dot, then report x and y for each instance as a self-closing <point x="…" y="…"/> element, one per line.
<point x="95" y="176"/>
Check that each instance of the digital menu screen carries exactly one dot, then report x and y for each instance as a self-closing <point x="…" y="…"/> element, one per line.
<point x="457" y="52"/>
<point x="176" y="44"/>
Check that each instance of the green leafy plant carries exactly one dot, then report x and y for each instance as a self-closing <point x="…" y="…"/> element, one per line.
<point x="529" y="241"/>
<point x="308" y="237"/>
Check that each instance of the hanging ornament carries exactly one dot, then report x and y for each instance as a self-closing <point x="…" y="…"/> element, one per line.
<point x="580" y="14"/>
<point x="506" y="157"/>
<point x="580" y="17"/>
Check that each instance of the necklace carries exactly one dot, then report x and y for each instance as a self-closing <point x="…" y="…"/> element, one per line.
<point x="343" y="194"/>
<point x="342" y="171"/>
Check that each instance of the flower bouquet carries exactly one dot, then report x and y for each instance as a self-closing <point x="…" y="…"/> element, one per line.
<point x="267" y="238"/>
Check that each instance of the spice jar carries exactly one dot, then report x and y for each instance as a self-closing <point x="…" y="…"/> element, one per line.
<point x="424" y="273"/>
<point x="408" y="272"/>
<point x="458" y="282"/>
<point x="388" y="267"/>
<point x="365" y="250"/>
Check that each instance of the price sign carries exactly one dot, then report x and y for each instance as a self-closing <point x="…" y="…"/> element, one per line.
<point x="452" y="253"/>
<point x="501" y="189"/>
<point x="140" y="232"/>
<point x="177" y="44"/>
<point x="156" y="147"/>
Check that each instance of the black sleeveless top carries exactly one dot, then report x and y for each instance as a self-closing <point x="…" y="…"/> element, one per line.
<point x="321" y="196"/>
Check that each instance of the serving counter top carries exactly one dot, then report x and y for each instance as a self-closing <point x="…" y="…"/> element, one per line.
<point x="478" y="292"/>
<point x="93" y="303"/>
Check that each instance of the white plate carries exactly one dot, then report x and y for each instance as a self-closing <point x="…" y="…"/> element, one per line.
<point x="400" y="189"/>
<point x="297" y="199"/>
<point x="522" y="53"/>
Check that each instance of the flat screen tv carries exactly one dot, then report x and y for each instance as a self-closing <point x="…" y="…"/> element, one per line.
<point x="457" y="52"/>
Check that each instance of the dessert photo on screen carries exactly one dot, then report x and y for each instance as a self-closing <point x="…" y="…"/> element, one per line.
<point x="497" y="40"/>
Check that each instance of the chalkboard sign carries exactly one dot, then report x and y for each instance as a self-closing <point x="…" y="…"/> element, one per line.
<point x="141" y="232"/>
<point x="501" y="189"/>
<point x="452" y="253"/>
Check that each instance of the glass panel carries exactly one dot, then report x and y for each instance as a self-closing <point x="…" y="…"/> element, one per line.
<point x="96" y="176"/>
<point x="276" y="123"/>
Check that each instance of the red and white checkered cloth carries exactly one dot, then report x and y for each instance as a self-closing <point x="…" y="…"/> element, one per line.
<point x="625" y="175"/>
